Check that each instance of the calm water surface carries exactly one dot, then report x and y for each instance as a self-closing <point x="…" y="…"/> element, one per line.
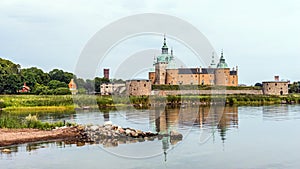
<point x="216" y="137"/>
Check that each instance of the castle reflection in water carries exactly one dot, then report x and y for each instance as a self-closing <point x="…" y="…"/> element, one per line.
<point x="222" y="118"/>
<point x="166" y="119"/>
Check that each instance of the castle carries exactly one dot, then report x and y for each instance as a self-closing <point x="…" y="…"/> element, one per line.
<point x="166" y="72"/>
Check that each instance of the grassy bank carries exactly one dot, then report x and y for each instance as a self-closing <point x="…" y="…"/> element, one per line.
<point x="67" y="103"/>
<point x="10" y="121"/>
<point x="234" y="99"/>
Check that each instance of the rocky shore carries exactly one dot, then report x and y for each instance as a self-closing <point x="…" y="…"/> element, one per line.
<point x="107" y="134"/>
<point x="111" y="135"/>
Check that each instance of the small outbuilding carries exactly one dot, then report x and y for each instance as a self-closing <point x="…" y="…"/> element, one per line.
<point x="25" y="88"/>
<point x="112" y="88"/>
<point x="138" y="87"/>
<point x="275" y="87"/>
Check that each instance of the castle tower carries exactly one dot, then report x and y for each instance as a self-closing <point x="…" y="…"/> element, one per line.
<point x="222" y="73"/>
<point x="161" y="64"/>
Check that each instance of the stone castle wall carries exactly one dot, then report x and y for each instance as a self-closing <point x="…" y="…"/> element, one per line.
<point x="204" y="92"/>
<point x="275" y="88"/>
<point x="138" y="87"/>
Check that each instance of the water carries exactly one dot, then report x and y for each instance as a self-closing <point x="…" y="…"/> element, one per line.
<point x="230" y="137"/>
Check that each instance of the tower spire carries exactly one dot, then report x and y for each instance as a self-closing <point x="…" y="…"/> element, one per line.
<point x="221" y="53"/>
<point x="213" y="60"/>
<point x="164" y="49"/>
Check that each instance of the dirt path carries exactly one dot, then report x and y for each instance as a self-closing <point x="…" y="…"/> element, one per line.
<point x="19" y="136"/>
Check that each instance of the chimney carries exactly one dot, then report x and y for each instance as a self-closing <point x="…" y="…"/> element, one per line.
<point x="276" y="78"/>
<point x="106" y="73"/>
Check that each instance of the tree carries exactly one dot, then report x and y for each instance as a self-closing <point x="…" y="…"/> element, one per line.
<point x="258" y="85"/>
<point x="41" y="89"/>
<point x="11" y="84"/>
<point x="62" y="91"/>
<point x="117" y="81"/>
<point x="54" y="84"/>
<point x="34" y="75"/>
<point x="9" y="77"/>
<point x="80" y="83"/>
<point x="294" y="88"/>
<point x="98" y="81"/>
<point x="62" y="76"/>
<point x="90" y="85"/>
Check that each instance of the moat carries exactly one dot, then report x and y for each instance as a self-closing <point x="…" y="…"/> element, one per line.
<point x="213" y="137"/>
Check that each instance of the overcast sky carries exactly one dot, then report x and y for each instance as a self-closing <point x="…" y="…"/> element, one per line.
<point x="261" y="37"/>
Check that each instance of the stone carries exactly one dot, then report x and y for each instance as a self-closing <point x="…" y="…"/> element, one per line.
<point x="134" y="134"/>
<point x="7" y="151"/>
<point x="127" y="131"/>
<point x="120" y="130"/>
<point x="175" y="135"/>
<point x="108" y="123"/>
<point x="94" y="128"/>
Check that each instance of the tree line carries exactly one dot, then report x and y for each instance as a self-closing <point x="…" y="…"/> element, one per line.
<point x="55" y="82"/>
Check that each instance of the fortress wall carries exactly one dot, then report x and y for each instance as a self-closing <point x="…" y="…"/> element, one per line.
<point x="205" y="92"/>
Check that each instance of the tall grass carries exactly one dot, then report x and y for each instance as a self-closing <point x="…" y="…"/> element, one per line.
<point x="10" y="121"/>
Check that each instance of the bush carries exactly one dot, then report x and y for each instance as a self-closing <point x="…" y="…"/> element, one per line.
<point x="62" y="91"/>
<point x="2" y="104"/>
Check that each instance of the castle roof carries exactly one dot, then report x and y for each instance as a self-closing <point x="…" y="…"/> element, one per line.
<point x="222" y="63"/>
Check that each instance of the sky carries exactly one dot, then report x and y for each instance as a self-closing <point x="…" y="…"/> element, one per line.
<point x="262" y="38"/>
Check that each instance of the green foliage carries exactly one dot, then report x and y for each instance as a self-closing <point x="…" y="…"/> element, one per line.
<point x="98" y="81"/>
<point x="294" y="88"/>
<point x="9" y="121"/>
<point x="34" y="75"/>
<point x="12" y="78"/>
<point x="2" y="104"/>
<point x="54" y="84"/>
<point x="41" y="89"/>
<point x="61" y="76"/>
<point x="62" y="91"/>
<point x="9" y="77"/>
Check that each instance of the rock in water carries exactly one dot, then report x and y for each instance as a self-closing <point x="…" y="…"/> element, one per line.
<point x="108" y="123"/>
<point x="175" y="135"/>
<point x="7" y="151"/>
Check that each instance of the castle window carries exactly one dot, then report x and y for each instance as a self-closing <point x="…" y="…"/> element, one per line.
<point x="202" y="75"/>
<point x="138" y="80"/>
<point x="163" y="73"/>
<point x="275" y="84"/>
<point x="195" y="75"/>
<point x="233" y="82"/>
<point x="145" y="85"/>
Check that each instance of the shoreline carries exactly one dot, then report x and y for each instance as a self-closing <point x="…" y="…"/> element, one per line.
<point x="106" y="134"/>
<point x="10" y="137"/>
